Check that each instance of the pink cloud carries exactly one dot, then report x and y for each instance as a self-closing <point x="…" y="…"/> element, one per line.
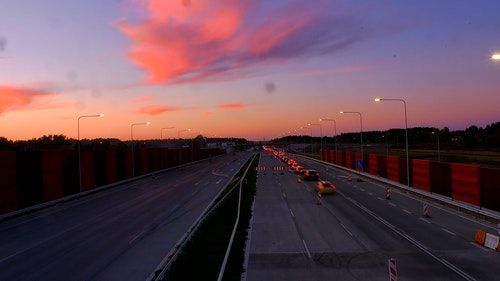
<point x="18" y="98"/>
<point x="235" y="106"/>
<point x="142" y="99"/>
<point x="189" y="41"/>
<point x="155" y="109"/>
<point x="208" y="113"/>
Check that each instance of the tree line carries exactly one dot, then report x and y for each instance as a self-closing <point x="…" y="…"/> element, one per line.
<point x="474" y="137"/>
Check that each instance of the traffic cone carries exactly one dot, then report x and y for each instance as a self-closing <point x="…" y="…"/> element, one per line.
<point x="388" y="194"/>
<point x="426" y="211"/>
<point x="298" y="178"/>
<point x="318" y="198"/>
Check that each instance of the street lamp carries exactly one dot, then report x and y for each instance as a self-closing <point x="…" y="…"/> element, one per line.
<point x="386" y="145"/>
<point x="439" y="152"/>
<point x="320" y="136"/>
<point x="161" y="138"/>
<point x="361" y="133"/>
<point x="303" y="140"/>
<point x="161" y="131"/>
<point x="79" y="153"/>
<point x="406" y="133"/>
<point x="495" y="57"/>
<point x="335" y="134"/>
<point x="311" y="131"/>
<point x="132" y="139"/>
<point x="179" y="137"/>
<point x="191" y="149"/>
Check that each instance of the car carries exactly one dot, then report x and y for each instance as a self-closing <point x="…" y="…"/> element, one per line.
<point x="300" y="170"/>
<point x="311" y="175"/>
<point x="325" y="187"/>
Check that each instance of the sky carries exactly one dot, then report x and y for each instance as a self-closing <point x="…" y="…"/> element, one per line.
<point x="254" y="69"/>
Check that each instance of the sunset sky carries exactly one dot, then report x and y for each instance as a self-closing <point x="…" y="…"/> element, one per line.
<point x="254" y="69"/>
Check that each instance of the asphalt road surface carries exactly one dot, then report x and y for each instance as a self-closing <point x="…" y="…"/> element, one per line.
<point x="119" y="234"/>
<point x="352" y="234"/>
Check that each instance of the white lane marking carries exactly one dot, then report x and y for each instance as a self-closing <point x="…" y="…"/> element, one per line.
<point x="307" y="249"/>
<point x="291" y="212"/>
<point x="380" y="198"/>
<point x="197" y="183"/>
<point x="392" y="204"/>
<point x="425" y="220"/>
<point x="284" y="195"/>
<point x="448" y="231"/>
<point x="346" y="230"/>
<point x="479" y="246"/>
<point x="217" y="182"/>
<point x="136" y="237"/>
<point x="406" y="211"/>
<point x="369" y="193"/>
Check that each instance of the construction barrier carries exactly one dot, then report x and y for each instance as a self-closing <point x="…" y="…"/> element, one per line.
<point x="393" y="272"/>
<point x="426" y="210"/>
<point x="491" y="241"/>
<point x="480" y="237"/>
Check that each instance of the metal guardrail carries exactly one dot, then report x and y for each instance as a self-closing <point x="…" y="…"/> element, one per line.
<point x="435" y="196"/>
<point x="236" y="223"/>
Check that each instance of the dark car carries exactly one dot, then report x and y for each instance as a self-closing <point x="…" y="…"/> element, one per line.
<point x="311" y="175"/>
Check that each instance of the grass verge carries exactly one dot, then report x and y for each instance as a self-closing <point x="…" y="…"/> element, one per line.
<point x="203" y="254"/>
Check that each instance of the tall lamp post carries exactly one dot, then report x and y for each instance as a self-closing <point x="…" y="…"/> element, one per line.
<point x="320" y="136"/>
<point x="303" y="139"/>
<point x="439" y="151"/>
<point x="192" y="144"/>
<point x="161" y="131"/>
<point x="311" y="134"/>
<point x="132" y="139"/>
<point x="406" y="134"/>
<point x="361" y="134"/>
<point x="161" y="139"/>
<point x="334" y="134"/>
<point x="79" y="152"/>
<point x="179" y="136"/>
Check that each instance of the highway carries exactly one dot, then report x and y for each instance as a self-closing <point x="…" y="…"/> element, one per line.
<point x="122" y="233"/>
<point x="352" y="234"/>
